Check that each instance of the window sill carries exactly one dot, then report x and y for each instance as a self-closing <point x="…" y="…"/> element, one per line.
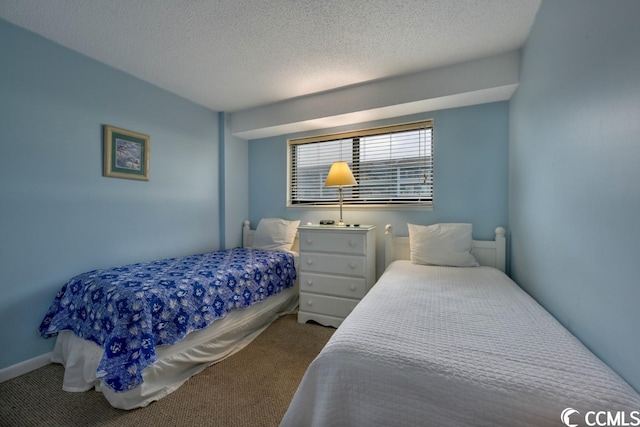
<point x="387" y="207"/>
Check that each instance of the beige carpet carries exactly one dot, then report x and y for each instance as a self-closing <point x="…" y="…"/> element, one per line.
<point x="252" y="388"/>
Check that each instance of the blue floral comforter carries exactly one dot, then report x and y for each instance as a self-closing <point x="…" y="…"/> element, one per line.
<point x="131" y="310"/>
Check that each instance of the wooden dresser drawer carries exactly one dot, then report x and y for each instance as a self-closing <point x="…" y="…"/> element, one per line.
<point x="334" y="264"/>
<point x="332" y="306"/>
<point x="348" y="243"/>
<point x="350" y="287"/>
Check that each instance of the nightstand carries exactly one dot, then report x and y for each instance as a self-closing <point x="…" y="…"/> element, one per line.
<point x="337" y="268"/>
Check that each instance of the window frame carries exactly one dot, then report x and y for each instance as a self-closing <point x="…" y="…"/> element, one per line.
<point x="397" y="204"/>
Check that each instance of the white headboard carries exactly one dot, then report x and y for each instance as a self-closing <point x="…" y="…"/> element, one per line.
<point x="492" y="253"/>
<point x="247" y="237"/>
<point x="247" y="234"/>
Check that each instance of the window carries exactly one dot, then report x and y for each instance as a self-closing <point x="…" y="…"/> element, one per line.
<point x="393" y="166"/>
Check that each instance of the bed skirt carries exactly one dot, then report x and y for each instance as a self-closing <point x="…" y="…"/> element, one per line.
<point x="176" y="363"/>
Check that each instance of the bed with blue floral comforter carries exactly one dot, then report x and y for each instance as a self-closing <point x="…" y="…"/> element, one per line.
<point x="131" y="310"/>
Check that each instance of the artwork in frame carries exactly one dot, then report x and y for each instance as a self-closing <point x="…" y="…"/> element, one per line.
<point x="126" y="154"/>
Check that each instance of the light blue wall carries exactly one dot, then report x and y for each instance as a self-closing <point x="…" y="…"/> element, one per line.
<point x="574" y="181"/>
<point x="471" y="157"/>
<point x="59" y="217"/>
<point x="236" y="182"/>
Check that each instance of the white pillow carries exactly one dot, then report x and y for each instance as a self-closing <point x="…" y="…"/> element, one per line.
<point x="441" y="244"/>
<point x="275" y="234"/>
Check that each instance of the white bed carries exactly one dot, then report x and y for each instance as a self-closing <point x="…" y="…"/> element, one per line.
<point x="432" y="345"/>
<point x="176" y="363"/>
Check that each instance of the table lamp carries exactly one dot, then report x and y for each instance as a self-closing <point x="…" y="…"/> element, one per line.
<point x="340" y="176"/>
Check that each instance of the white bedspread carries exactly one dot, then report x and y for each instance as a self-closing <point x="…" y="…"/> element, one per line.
<point x="453" y="346"/>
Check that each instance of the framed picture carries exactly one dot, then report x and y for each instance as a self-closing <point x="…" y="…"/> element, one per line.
<point x="126" y="154"/>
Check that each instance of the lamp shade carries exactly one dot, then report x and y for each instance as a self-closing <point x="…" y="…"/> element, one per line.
<point x="340" y="175"/>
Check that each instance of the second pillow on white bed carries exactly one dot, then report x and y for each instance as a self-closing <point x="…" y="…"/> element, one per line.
<point x="447" y="244"/>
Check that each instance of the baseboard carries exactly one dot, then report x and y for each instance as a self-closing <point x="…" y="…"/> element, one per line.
<point x="23" y="367"/>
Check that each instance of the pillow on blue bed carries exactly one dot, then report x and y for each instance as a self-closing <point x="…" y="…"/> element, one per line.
<point x="442" y="244"/>
<point x="275" y="234"/>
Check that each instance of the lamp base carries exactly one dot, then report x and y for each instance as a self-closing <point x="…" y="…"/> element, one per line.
<point x="341" y="222"/>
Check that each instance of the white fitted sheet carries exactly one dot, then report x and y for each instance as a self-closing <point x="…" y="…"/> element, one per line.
<point x="452" y="346"/>
<point x="176" y="363"/>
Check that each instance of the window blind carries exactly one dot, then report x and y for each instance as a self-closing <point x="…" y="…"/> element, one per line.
<point x="392" y="165"/>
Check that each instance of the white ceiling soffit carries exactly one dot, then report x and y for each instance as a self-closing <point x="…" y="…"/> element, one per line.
<point x="475" y="82"/>
<point x="451" y="101"/>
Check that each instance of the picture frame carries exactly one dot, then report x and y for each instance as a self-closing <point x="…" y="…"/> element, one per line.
<point x="126" y="154"/>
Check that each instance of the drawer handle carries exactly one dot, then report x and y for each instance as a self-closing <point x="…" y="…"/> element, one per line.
<point x="309" y="303"/>
<point x="309" y="282"/>
<point x="309" y="261"/>
<point x="309" y="241"/>
<point x="352" y="265"/>
<point x="352" y="288"/>
<point x="352" y="243"/>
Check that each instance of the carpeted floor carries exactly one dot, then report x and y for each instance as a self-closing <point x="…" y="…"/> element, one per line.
<point x="252" y="388"/>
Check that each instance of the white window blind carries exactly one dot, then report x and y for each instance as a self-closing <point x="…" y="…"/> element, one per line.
<point x="392" y="165"/>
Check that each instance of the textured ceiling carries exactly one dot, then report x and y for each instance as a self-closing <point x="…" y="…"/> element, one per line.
<point x="231" y="55"/>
